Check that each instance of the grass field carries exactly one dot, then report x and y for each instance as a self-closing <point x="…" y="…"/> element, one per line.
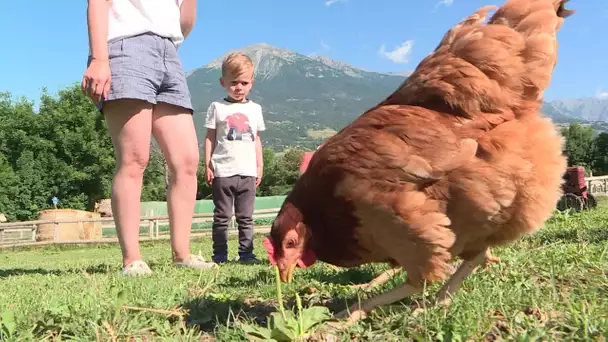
<point x="551" y="286"/>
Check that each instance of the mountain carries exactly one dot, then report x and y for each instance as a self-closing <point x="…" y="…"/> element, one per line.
<point x="582" y="109"/>
<point x="307" y="98"/>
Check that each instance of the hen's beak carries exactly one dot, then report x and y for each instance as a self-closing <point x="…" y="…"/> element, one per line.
<point x="287" y="273"/>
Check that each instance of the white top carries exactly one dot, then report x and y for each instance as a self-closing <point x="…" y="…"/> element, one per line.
<point x="236" y="126"/>
<point x="128" y="18"/>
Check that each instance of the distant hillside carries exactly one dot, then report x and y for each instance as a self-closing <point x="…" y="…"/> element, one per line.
<point x="305" y="99"/>
<point x="583" y="109"/>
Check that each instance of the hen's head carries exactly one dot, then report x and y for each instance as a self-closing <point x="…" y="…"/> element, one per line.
<point x="288" y="243"/>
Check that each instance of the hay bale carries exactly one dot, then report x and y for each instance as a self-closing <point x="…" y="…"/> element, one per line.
<point x="68" y="231"/>
<point x="104" y="207"/>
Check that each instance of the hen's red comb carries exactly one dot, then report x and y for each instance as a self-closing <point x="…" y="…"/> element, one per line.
<point x="269" y="251"/>
<point x="307" y="259"/>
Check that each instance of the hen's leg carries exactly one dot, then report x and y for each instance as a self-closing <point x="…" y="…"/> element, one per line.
<point x="359" y="312"/>
<point x="453" y="284"/>
<point x="379" y="280"/>
<point x="490" y="259"/>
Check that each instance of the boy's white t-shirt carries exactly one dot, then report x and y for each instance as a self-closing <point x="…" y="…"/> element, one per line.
<point x="128" y="18"/>
<point x="236" y="126"/>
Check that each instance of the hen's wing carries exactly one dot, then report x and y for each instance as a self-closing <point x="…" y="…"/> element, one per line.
<point x="391" y="146"/>
<point x="385" y="159"/>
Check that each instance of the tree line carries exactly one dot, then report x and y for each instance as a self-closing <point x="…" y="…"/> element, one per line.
<point x="63" y="149"/>
<point x="584" y="148"/>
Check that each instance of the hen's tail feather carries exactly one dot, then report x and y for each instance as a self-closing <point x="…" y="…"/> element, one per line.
<point x="489" y="71"/>
<point x="474" y="19"/>
<point x="537" y="22"/>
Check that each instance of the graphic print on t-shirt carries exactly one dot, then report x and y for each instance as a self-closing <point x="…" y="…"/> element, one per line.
<point x="238" y="127"/>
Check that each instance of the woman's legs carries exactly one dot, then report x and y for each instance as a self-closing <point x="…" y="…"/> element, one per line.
<point x="130" y="126"/>
<point x="173" y="128"/>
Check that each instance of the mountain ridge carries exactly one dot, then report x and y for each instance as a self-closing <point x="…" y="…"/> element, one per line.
<point x="307" y="98"/>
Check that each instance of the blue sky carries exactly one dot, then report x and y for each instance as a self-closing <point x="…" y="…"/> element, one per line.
<point x="45" y="43"/>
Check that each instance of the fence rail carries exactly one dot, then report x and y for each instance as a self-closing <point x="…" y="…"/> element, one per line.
<point x="13" y="234"/>
<point x="598" y="186"/>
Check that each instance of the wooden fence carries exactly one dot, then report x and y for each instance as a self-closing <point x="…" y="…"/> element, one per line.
<point x="25" y="233"/>
<point x="598" y="186"/>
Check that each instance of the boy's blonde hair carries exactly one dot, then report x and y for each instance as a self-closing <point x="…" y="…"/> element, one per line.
<point x="236" y="63"/>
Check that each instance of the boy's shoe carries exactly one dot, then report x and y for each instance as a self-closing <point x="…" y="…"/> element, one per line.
<point x="136" y="268"/>
<point x="250" y="259"/>
<point x="219" y="259"/>
<point x="196" y="262"/>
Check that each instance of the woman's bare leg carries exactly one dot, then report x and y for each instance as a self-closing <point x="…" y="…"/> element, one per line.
<point x="173" y="128"/>
<point x="130" y="126"/>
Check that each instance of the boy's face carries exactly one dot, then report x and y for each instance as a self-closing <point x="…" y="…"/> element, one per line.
<point x="238" y="86"/>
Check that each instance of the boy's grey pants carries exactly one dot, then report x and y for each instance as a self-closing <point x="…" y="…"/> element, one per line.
<point x="239" y="190"/>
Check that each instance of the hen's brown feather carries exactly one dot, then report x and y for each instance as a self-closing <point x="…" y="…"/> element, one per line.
<point x="454" y="161"/>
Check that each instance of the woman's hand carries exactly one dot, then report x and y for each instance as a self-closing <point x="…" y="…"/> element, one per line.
<point x="96" y="80"/>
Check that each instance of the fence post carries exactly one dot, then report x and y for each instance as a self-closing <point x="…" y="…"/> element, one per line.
<point x="55" y="231"/>
<point x="151" y="225"/>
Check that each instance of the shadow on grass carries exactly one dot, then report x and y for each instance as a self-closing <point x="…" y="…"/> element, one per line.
<point x="94" y="269"/>
<point x="209" y="313"/>
<point x="318" y="274"/>
<point x="16" y="272"/>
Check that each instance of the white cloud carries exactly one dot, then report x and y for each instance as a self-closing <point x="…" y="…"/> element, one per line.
<point x="324" y="46"/>
<point x="601" y="94"/>
<point x="331" y="2"/>
<point x="400" y="55"/>
<point x="446" y="3"/>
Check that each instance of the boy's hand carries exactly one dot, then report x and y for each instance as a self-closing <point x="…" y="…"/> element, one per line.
<point x="209" y="175"/>
<point x="258" y="180"/>
<point x="96" y="80"/>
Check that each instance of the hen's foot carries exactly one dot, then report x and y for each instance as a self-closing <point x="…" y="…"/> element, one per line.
<point x="453" y="284"/>
<point x="358" y="312"/>
<point x="379" y="280"/>
<point x="490" y="259"/>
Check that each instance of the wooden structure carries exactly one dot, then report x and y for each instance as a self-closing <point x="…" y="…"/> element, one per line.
<point x="598" y="186"/>
<point x="27" y="232"/>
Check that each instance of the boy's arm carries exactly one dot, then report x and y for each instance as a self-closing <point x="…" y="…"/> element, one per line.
<point x="209" y="146"/>
<point x="259" y="153"/>
<point x="187" y="16"/>
<point x="259" y="158"/>
<point x="209" y="141"/>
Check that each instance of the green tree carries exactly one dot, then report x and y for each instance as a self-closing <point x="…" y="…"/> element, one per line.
<point x="9" y="189"/>
<point x="579" y="145"/>
<point x="600" y="154"/>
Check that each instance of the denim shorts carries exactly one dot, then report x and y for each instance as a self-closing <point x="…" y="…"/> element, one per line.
<point x="146" y="67"/>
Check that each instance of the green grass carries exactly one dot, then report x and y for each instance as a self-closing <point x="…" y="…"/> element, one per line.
<point x="551" y="286"/>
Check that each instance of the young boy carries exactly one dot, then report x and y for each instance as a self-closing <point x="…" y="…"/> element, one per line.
<point x="233" y="157"/>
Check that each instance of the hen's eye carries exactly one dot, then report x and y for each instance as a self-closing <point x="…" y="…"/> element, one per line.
<point x="290" y="244"/>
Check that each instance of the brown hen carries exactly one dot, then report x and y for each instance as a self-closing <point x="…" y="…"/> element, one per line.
<point x="455" y="161"/>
